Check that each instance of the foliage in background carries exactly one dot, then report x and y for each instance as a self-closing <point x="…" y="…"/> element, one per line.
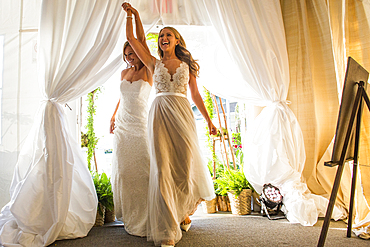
<point x="237" y="145"/>
<point x="231" y="181"/>
<point x="152" y="41"/>
<point x="226" y="180"/>
<point x="104" y="192"/>
<point x="92" y="139"/>
<point x="237" y="118"/>
<point x="84" y="140"/>
<point x="219" y="167"/>
<point x="208" y="103"/>
<point x="237" y="140"/>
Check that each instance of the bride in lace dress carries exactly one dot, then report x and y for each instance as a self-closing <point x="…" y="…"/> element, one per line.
<point x="178" y="176"/>
<point x="130" y="164"/>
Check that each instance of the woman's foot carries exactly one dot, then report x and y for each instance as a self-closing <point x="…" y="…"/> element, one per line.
<point x="168" y="243"/>
<point x="185" y="225"/>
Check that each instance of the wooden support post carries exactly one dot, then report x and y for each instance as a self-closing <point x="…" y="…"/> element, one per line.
<point x="228" y="135"/>
<point x="221" y="132"/>
<point x="213" y="158"/>
<point x="96" y="164"/>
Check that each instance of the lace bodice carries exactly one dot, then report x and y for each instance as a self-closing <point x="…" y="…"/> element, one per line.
<point x="162" y="78"/>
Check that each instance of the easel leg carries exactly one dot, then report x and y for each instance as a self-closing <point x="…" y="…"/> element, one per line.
<point x="354" y="170"/>
<point x="334" y="192"/>
<point x="353" y="188"/>
<point x="329" y="210"/>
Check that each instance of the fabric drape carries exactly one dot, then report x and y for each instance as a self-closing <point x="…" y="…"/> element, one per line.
<point x="52" y="193"/>
<point x="20" y="94"/>
<point x="320" y="36"/>
<point x="253" y="33"/>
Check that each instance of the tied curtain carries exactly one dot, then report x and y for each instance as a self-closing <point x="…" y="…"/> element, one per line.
<point x="52" y="193"/>
<point x="253" y="33"/>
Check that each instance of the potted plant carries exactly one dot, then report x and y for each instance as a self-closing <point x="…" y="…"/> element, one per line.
<point x="221" y="189"/>
<point x="104" y="193"/>
<point x="210" y="207"/>
<point x="107" y="201"/>
<point x="234" y="184"/>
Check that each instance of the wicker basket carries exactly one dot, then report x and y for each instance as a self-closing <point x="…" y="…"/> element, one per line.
<point x="209" y="207"/>
<point x="241" y="205"/>
<point x="223" y="203"/>
<point x="99" y="221"/>
<point x="110" y="216"/>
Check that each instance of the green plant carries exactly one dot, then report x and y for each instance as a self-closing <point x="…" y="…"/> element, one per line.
<point x="239" y="158"/>
<point x="219" y="167"/>
<point x="152" y="41"/>
<point x="84" y="140"/>
<point x="219" y="170"/>
<point x="237" y="140"/>
<point x="237" y="145"/>
<point x="208" y="103"/>
<point x="92" y="139"/>
<point x="232" y="181"/>
<point x="104" y="191"/>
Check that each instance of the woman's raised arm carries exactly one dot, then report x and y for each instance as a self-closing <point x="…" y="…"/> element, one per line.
<point x="140" y="34"/>
<point x="141" y="50"/>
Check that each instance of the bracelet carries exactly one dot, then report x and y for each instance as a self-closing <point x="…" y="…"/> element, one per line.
<point x="129" y="16"/>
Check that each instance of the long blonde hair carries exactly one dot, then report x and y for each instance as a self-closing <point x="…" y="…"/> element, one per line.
<point x="181" y="52"/>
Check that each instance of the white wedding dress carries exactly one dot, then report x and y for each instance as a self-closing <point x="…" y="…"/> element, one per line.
<point x="178" y="175"/>
<point x="130" y="166"/>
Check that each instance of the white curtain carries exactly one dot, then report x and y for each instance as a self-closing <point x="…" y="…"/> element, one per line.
<point x="171" y="12"/>
<point x="253" y="33"/>
<point x="52" y="193"/>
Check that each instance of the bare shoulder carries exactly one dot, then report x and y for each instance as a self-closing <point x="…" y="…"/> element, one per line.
<point x="124" y="72"/>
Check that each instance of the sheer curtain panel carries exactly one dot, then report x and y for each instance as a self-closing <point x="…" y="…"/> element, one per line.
<point x="52" y="193"/>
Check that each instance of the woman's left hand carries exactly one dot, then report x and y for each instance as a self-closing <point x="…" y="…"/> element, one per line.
<point x="212" y="128"/>
<point x="126" y="6"/>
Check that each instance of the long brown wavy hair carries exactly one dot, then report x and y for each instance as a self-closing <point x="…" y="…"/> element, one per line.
<point x="181" y="52"/>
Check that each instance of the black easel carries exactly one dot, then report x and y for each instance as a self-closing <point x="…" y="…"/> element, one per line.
<point x="356" y="114"/>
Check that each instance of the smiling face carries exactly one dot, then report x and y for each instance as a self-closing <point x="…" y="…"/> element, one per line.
<point x="130" y="56"/>
<point x="167" y="40"/>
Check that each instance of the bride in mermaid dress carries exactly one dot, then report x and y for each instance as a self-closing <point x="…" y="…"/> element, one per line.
<point x="130" y="164"/>
<point x="179" y="178"/>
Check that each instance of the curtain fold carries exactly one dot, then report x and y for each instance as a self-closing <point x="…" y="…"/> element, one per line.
<point x="52" y="193"/>
<point x="253" y="33"/>
<point x="320" y="36"/>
